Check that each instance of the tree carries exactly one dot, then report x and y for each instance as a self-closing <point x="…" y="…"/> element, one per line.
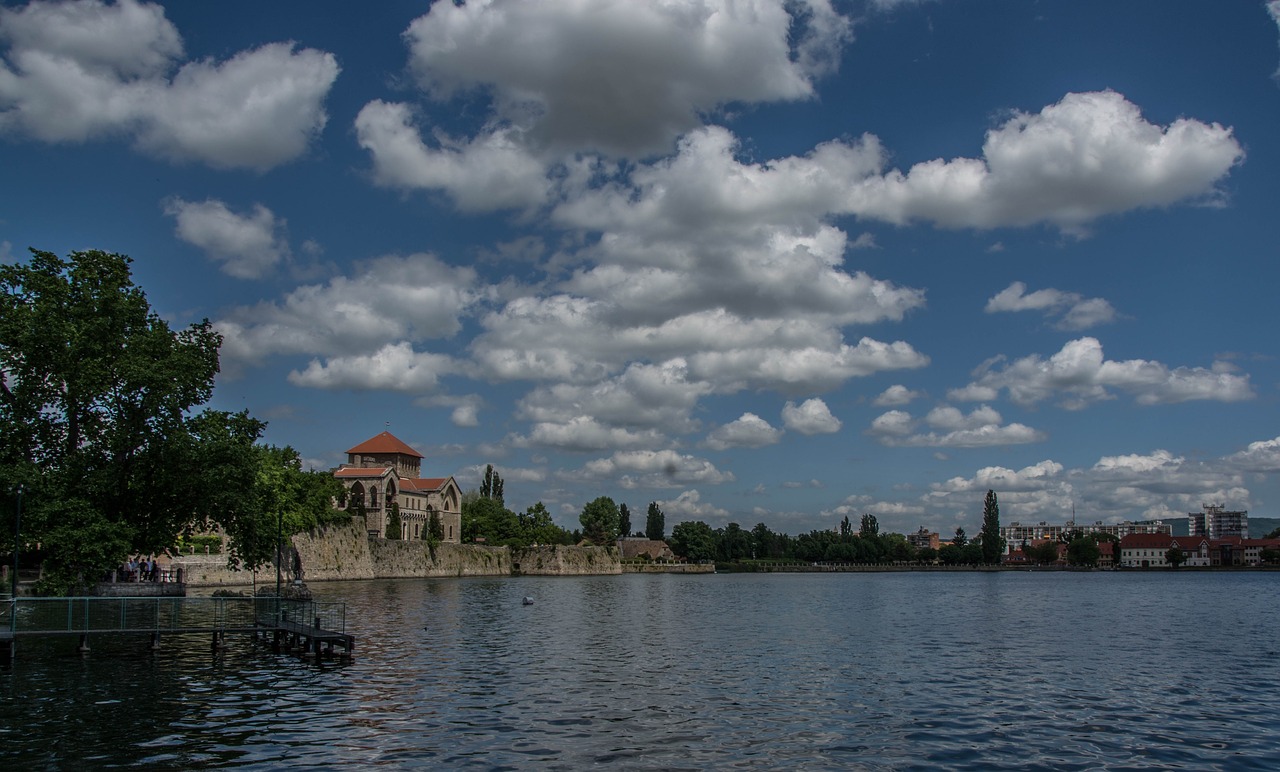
<point x="537" y="527"/>
<point x="624" y="520"/>
<point x="486" y="519"/>
<point x="869" y="528"/>
<point x="992" y="543"/>
<point x="960" y="539"/>
<point x="733" y="543"/>
<point x="96" y="401"/>
<point x="1044" y="552"/>
<point x="435" y="528"/>
<point x="655" y="523"/>
<point x="694" y="540"/>
<point x="1083" y="551"/>
<point x="1175" y="556"/>
<point x="599" y="520"/>
<point x="491" y="488"/>
<point x="394" y="526"/>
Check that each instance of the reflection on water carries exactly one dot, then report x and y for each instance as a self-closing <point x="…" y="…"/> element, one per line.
<point x="900" y="671"/>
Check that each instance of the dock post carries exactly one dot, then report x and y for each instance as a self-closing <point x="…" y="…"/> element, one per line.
<point x="155" y="641"/>
<point x="83" y="648"/>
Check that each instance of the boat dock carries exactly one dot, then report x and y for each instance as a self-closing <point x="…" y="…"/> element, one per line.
<point x="317" y="628"/>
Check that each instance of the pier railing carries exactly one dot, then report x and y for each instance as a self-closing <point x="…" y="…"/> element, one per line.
<point x="84" y="615"/>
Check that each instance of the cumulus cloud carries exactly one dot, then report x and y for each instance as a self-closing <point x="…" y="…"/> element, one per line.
<point x="982" y="427"/>
<point x="245" y="246"/>
<point x="1081" y="375"/>
<point x="748" y="431"/>
<point x="623" y="76"/>
<point x="690" y="506"/>
<point x="651" y="469"/>
<point x="1073" y="311"/>
<point x="1273" y="8"/>
<point x="86" y="70"/>
<point x="810" y="417"/>
<point x="583" y="433"/>
<point x="390" y="300"/>
<point x="896" y="396"/>
<point x="1089" y="155"/>
<point x="394" y="367"/>
<point x="489" y="172"/>
<point x="1262" y="456"/>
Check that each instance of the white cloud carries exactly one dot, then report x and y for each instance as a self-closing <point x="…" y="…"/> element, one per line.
<point x="392" y="299"/>
<point x="394" y="367"/>
<point x="748" y="431"/>
<point x="246" y="246"/>
<point x="623" y="76"/>
<point x="489" y="172"/>
<point x="85" y="70"/>
<point x="583" y="433"/>
<point x="1089" y="155"/>
<point x="1075" y="311"/>
<point x="1262" y="456"/>
<point x="1273" y="8"/>
<point x="651" y="469"/>
<point x="896" y="396"/>
<point x="982" y="427"/>
<point x="1081" y="374"/>
<point x="810" y="417"/>
<point x="690" y="506"/>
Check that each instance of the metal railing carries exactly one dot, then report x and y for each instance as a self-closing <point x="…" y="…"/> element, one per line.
<point x="85" y="615"/>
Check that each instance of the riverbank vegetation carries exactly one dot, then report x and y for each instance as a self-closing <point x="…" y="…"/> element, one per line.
<point x="106" y="448"/>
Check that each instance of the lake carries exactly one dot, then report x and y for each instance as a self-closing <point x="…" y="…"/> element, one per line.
<point x="1017" y="670"/>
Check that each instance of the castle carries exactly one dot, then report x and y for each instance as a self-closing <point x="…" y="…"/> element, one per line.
<point x="383" y="472"/>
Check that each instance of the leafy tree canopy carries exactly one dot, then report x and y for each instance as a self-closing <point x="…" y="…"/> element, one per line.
<point x="693" y="540"/>
<point x="599" y="520"/>
<point x="655" y="523"/>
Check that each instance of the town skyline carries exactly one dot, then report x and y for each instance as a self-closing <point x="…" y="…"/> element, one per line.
<point x="756" y="261"/>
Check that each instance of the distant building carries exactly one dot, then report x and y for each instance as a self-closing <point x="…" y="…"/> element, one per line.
<point x="1015" y="534"/>
<point x="1151" y="550"/>
<point x="383" y="471"/>
<point x="922" y="538"/>
<point x="1217" y="522"/>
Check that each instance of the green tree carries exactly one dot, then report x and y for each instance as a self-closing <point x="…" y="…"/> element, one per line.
<point x="655" y="523"/>
<point x="624" y="520"/>
<point x="599" y="520"/>
<point x="435" y="528"/>
<point x="926" y="554"/>
<point x="869" y="528"/>
<point x="694" y="540"/>
<point x="960" y="539"/>
<point x="1044" y="552"/>
<point x="491" y="487"/>
<point x="992" y="543"/>
<point x="538" y="527"/>
<point x="96" y="408"/>
<point x="486" y="519"/>
<point x="765" y="543"/>
<point x="394" y="526"/>
<point x="733" y="543"/>
<point x="1083" y="551"/>
<point x="1175" y="557"/>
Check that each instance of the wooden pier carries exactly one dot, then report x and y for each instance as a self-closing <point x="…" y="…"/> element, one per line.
<point x="316" y="629"/>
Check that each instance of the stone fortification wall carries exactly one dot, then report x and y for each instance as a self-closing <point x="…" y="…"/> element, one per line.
<point x="400" y="559"/>
<point x="668" y="568"/>
<point x="335" y="552"/>
<point x="558" y="560"/>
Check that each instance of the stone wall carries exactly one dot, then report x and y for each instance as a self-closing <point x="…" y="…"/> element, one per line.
<point x="559" y="560"/>
<point x="668" y="568"/>
<point x="347" y="552"/>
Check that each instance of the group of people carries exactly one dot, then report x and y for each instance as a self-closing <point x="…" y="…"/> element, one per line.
<point x="140" y="569"/>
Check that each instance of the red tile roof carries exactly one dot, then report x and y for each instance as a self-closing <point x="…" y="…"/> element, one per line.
<point x="385" y="443"/>
<point x="423" y="484"/>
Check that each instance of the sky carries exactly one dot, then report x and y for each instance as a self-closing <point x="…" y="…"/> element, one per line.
<point x="758" y="261"/>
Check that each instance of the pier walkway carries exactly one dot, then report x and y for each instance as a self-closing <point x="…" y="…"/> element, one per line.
<point x="318" y="628"/>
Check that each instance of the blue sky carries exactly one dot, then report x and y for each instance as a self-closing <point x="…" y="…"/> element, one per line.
<point x="757" y="261"/>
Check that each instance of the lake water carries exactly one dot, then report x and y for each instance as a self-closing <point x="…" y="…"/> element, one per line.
<point x="832" y="671"/>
